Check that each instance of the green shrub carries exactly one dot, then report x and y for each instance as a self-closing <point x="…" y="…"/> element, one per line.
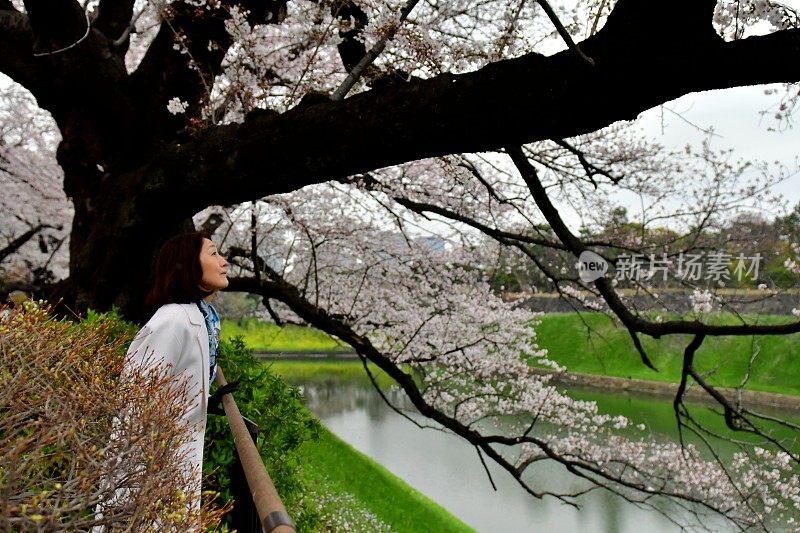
<point x="284" y="424"/>
<point x="116" y="328"/>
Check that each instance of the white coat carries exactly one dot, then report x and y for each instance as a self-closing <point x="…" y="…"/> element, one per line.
<point x="176" y="337"/>
<point x="175" y="341"/>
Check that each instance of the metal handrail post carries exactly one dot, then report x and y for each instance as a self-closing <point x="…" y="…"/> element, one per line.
<point x="271" y="512"/>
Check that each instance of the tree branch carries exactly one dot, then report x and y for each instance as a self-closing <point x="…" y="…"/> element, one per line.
<point x="688" y="361"/>
<point x="55" y="24"/>
<point x="186" y="55"/>
<point x="270" y="154"/>
<point x="351" y="49"/>
<point x="562" y="31"/>
<point x="613" y="479"/>
<point x="71" y="45"/>
<point x="16" y="50"/>
<point x="20" y="241"/>
<point x="71" y="74"/>
<point x="369" y="57"/>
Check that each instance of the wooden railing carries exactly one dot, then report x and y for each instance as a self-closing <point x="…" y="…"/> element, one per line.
<point x="271" y="512"/>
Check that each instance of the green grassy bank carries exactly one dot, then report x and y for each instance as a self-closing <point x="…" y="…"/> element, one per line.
<point x="347" y="371"/>
<point x="337" y="468"/>
<point x="592" y="343"/>
<point x="349" y="485"/>
<point x="263" y="337"/>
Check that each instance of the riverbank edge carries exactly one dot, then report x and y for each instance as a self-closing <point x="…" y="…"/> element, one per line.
<point x="660" y="389"/>
<point x="595" y="382"/>
<point x="332" y="463"/>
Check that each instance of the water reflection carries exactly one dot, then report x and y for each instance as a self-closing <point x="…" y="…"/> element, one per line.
<point x="448" y="470"/>
<point x="331" y="397"/>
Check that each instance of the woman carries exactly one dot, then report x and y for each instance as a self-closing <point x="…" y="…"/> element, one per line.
<point x="182" y="336"/>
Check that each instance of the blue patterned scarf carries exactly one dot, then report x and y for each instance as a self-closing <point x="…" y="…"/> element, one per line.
<point x="213" y="326"/>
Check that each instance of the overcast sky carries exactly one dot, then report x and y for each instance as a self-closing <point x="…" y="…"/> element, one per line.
<point x="736" y="118"/>
<point x="735" y="115"/>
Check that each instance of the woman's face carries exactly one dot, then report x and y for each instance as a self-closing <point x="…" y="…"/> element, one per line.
<point x="215" y="268"/>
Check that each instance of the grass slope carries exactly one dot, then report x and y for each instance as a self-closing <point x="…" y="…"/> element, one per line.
<point x="349" y="371"/>
<point x="340" y="469"/>
<point x="337" y="468"/>
<point x="593" y="344"/>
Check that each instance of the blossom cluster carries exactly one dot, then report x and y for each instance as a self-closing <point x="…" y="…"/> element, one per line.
<point x="735" y="18"/>
<point x="702" y="302"/>
<point x="343" y="512"/>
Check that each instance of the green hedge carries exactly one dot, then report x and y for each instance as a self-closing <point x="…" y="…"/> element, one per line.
<point x="284" y="425"/>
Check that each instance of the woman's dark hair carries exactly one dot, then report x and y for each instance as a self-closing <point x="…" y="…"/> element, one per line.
<point x="178" y="272"/>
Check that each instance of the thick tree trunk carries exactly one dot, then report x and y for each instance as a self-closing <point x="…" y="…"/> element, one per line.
<point x="112" y="123"/>
<point x="113" y="243"/>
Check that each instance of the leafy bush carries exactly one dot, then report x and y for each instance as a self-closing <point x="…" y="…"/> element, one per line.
<point x="60" y="397"/>
<point x="284" y="425"/>
<point x="116" y="329"/>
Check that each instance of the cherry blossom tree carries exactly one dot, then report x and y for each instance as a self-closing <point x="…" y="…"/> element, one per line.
<point x="353" y="156"/>
<point x="36" y="213"/>
<point x="220" y="103"/>
<point x="425" y="316"/>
